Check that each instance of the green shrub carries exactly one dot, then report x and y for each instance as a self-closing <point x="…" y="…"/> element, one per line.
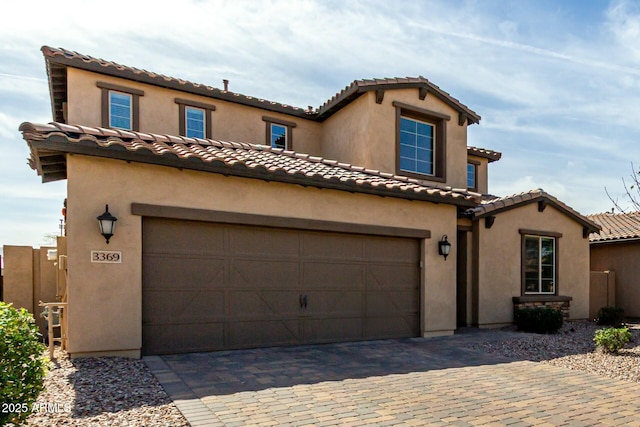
<point x="612" y="339"/>
<point x="22" y="364"/>
<point x="540" y="320"/>
<point x="610" y="316"/>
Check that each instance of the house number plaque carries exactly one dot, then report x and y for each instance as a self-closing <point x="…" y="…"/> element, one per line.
<point x="106" y="257"/>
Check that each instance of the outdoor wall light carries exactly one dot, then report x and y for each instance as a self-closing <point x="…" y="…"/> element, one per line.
<point x="444" y="247"/>
<point x="107" y="223"/>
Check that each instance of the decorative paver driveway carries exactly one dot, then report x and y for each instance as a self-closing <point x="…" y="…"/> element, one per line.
<point x="393" y="382"/>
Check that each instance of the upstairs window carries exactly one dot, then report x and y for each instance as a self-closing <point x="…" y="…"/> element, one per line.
<point x="539" y="265"/>
<point x="120" y="106"/>
<point x="279" y="133"/>
<point x="472" y="176"/>
<point x="194" y="118"/>
<point x="194" y="122"/>
<point x="420" y="142"/>
<point x="120" y="110"/>
<point x="278" y="136"/>
<point x="417" y="146"/>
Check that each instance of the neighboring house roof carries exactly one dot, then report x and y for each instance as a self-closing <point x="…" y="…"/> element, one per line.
<point x="50" y="142"/>
<point x="485" y="153"/>
<point x="491" y="207"/>
<point x="616" y="227"/>
<point x="58" y="60"/>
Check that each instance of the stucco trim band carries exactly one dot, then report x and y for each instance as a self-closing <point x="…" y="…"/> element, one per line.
<point x="174" y="212"/>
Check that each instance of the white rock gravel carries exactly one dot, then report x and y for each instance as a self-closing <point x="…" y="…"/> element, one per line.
<point x="573" y="348"/>
<point x="107" y="391"/>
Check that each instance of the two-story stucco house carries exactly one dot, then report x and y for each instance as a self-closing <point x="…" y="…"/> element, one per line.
<point x="243" y="222"/>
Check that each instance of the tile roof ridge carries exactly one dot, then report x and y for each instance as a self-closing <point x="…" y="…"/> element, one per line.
<point x="52" y="53"/>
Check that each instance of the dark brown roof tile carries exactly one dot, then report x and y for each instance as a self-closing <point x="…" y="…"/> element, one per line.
<point x="241" y="159"/>
<point x="492" y="205"/>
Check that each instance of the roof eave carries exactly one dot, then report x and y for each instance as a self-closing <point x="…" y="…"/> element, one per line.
<point x="355" y="90"/>
<point x="615" y="240"/>
<point x="591" y="226"/>
<point x="57" y="142"/>
<point x="176" y="84"/>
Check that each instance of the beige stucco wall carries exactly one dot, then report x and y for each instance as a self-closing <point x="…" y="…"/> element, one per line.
<point x="29" y="277"/>
<point x="499" y="262"/>
<point x="18" y="276"/>
<point x="364" y="134"/>
<point x="105" y="300"/>
<point x="623" y="259"/>
<point x="160" y="114"/>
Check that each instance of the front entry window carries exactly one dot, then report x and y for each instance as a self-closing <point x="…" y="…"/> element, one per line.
<point x="539" y="265"/>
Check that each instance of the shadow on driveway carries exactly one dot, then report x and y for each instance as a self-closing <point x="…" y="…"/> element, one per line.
<point x="228" y="372"/>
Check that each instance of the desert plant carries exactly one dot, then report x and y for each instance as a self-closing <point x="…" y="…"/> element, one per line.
<point x="612" y="339"/>
<point x="540" y="320"/>
<point x="610" y="316"/>
<point x="22" y="364"/>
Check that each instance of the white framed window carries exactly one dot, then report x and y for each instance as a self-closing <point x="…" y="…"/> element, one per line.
<point x="417" y="146"/>
<point x="539" y="264"/>
<point x="120" y="106"/>
<point x="279" y="132"/>
<point x="195" y="124"/>
<point x="120" y="110"/>
<point x="472" y="176"/>
<point x="278" y="136"/>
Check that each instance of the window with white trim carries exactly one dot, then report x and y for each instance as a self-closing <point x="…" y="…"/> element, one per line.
<point x="195" y="124"/>
<point x="417" y="146"/>
<point x="120" y="110"/>
<point x="278" y="136"/>
<point x="472" y="176"/>
<point x="539" y="265"/>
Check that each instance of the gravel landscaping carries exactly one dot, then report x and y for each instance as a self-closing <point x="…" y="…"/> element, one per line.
<point x="123" y="392"/>
<point x="573" y="348"/>
<point x="108" y="391"/>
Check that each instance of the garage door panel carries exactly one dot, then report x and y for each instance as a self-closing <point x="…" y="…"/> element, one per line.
<point x="333" y="246"/>
<point x="336" y="275"/>
<point x="264" y="333"/>
<point x="265" y="273"/>
<point x="182" y="337"/>
<point x="181" y="306"/>
<point x="387" y="249"/>
<point x="235" y="286"/>
<point x="195" y="273"/>
<point x="263" y="241"/>
<point x="398" y="303"/>
<point x="332" y="304"/>
<point x="263" y="304"/>
<point x="181" y="237"/>
<point x="398" y="276"/>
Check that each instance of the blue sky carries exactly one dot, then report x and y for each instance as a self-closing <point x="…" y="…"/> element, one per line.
<point x="557" y="83"/>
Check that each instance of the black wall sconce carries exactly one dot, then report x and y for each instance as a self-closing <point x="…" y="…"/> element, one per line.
<point x="107" y="224"/>
<point x="444" y="247"/>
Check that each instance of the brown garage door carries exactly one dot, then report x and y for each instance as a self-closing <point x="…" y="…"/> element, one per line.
<point x="209" y="286"/>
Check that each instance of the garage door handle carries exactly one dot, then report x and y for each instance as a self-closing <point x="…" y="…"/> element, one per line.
<point x="303" y="301"/>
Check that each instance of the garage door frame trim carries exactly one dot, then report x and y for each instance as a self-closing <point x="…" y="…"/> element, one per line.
<point x="224" y="217"/>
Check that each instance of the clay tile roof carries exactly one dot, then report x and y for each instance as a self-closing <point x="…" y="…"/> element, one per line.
<point x="58" y="59"/>
<point x="50" y="143"/>
<point x="616" y="227"/>
<point x="358" y="87"/>
<point x="492" y="205"/>
<point x="485" y="153"/>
